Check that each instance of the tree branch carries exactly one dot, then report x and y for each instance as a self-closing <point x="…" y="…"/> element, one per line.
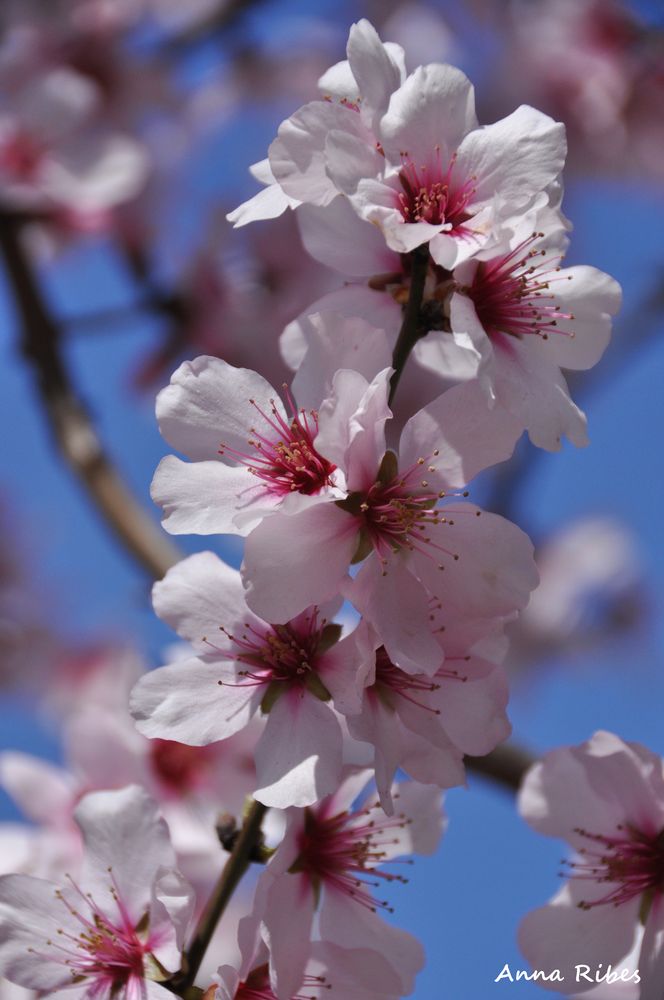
<point x="234" y="869"/>
<point x="507" y="765"/>
<point x="411" y="327"/>
<point x="70" y="421"/>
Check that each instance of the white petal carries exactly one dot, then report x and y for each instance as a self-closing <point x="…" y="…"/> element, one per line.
<point x="516" y="157"/>
<point x="126" y="843"/>
<point x="205" y="498"/>
<point x="197" y="596"/>
<point x="338" y="238"/>
<point x="269" y="203"/>
<point x="433" y="110"/>
<point x="186" y="702"/>
<point x="532" y="388"/>
<point x="298" y="757"/>
<point x="311" y="550"/>
<point x="208" y="403"/>
<point x="338" y="342"/>
<point x="467" y="434"/>
<point x="376" y="72"/>
<point x="297" y="155"/>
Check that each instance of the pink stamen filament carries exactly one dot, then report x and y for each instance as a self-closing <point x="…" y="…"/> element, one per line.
<point x="632" y="862"/>
<point x="278" y="653"/>
<point x="431" y="195"/>
<point x="512" y="295"/>
<point x="112" y="953"/>
<point x="398" y="514"/>
<point x="342" y="852"/>
<point x="287" y="461"/>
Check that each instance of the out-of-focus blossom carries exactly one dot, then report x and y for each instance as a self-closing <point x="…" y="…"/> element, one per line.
<point x="231" y="302"/>
<point x="591" y="591"/>
<point x="103" y="751"/>
<point x="119" y="927"/>
<point x="606" y="799"/>
<point x="29" y="645"/>
<point x="598" y="67"/>
<point x="54" y="161"/>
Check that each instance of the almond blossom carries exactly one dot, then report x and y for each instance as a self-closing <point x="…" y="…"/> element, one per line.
<point x="294" y="673"/>
<point x="511" y="317"/>
<point x="521" y="318"/>
<point x="250" y="455"/>
<point x="425" y="723"/>
<point x="117" y="930"/>
<point x="409" y="154"/>
<point x="103" y="751"/>
<point x="329" y="866"/>
<point x="413" y="552"/>
<point x="606" y="799"/>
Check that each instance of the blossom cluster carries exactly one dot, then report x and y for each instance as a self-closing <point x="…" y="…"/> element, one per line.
<point x="341" y="676"/>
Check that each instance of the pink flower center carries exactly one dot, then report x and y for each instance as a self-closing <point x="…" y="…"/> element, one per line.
<point x="432" y="194"/>
<point x="512" y="294"/>
<point x="257" y="986"/>
<point x="110" y="952"/>
<point x="399" y="510"/>
<point x="393" y="683"/>
<point x="630" y="863"/>
<point x="178" y="767"/>
<point x="284" y="457"/>
<point x="343" y="850"/>
<point x="21" y="156"/>
<point x="282" y="654"/>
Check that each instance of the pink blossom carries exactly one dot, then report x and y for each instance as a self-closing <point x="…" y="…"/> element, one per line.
<point x="606" y="799"/>
<point x="425" y="723"/>
<point x="328" y="866"/>
<point x="411" y="158"/>
<point x="115" y="929"/>
<point x="51" y="162"/>
<point x="414" y="553"/>
<point x="293" y="673"/>
<point x="251" y="453"/>
<point x="592" y="591"/>
<point x="518" y="318"/>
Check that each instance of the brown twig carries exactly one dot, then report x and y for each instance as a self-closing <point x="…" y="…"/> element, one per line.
<point x="69" y="419"/>
<point x="234" y="869"/>
<point x="507" y="765"/>
<point x="411" y="327"/>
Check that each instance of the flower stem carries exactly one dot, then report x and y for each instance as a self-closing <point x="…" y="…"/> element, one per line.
<point x="233" y="871"/>
<point x="411" y="327"/>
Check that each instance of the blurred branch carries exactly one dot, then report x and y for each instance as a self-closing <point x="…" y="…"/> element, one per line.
<point x="507" y="765"/>
<point x="213" y="25"/>
<point x="69" y="419"/>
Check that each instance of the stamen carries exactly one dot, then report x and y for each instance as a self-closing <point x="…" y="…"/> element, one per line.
<point x="512" y="295"/>
<point x="284" y="457"/>
<point x="632" y="863"/>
